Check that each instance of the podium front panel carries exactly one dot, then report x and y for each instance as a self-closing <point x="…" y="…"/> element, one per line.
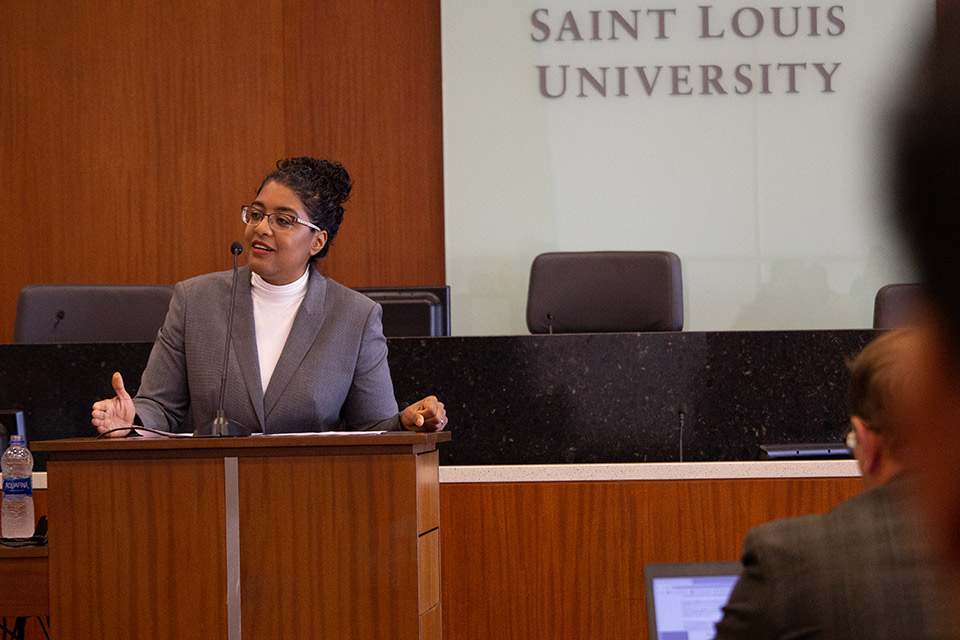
<point x="280" y="537"/>
<point x="334" y="553"/>
<point x="137" y="549"/>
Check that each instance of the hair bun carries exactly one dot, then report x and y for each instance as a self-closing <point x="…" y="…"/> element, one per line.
<point x="329" y="179"/>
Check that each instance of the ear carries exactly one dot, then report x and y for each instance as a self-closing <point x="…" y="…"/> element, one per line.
<point x="869" y="451"/>
<point x="319" y="242"/>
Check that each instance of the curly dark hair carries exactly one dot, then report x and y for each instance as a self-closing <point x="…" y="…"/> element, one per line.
<point x="322" y="185"/>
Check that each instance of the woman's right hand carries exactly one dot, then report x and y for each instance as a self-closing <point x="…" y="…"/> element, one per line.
<point x="115" y="413"/>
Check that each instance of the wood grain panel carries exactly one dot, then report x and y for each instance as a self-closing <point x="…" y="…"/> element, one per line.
<point x="39" y="503"/>
<point x="131" y="134"/>
<point x="338" y="542"/>
<point x="140" y="129"/>
<point x="428" y="555"/>
<point x="365" y="89"/>
<point x="428" y="491"/>
<point x="162" y="575"/>
<point x="25" y="567"/>
<point x="565" y="560"/>
<point x="431" y="625"/>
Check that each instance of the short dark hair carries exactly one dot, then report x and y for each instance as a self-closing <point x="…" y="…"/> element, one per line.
<point x="927" y="171"/>
<point x="322" y="186"/>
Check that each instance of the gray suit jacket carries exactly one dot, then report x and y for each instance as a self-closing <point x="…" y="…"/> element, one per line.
<point x="858" y="571"/>
<point x="332" y="373"/>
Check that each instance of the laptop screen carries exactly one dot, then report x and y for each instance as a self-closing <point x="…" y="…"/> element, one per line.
<point x="684" y="600"/>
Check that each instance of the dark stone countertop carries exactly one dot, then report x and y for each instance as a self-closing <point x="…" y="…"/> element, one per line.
<point x="580" y="398"/>
<point x="585" y="398"/>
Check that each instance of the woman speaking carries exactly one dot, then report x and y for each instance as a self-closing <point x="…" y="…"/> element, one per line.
<point x="307" y="353"/>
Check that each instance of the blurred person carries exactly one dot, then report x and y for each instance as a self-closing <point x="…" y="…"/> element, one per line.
<point x="927" y="199"/>
<point x="861" y="570"/>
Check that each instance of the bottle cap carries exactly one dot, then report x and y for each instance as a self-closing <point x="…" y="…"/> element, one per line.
<point x="16" y="439"/>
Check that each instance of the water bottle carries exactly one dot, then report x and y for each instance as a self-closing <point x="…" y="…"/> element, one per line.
<point x="17" y="465"/>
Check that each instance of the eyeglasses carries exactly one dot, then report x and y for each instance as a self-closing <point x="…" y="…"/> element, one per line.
<point x="279" y="222"/>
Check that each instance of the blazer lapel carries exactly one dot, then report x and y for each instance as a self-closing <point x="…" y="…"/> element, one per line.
<point x="306" y="328"/>
<point x="244" y="345"/>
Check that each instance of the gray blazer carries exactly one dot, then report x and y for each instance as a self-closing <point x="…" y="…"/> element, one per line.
<point x="858" y="571"/>
<point x="332" y="373"/>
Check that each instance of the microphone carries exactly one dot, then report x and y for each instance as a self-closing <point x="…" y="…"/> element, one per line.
<point x="220" y="425"/>
<point x="60" y="316"/>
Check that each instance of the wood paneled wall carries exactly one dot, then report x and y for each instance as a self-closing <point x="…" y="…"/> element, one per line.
<point x="131" y="133"/>
<point x="564" y="560"/>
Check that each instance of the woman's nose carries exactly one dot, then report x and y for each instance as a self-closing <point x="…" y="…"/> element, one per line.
<point x="263" y="227"/>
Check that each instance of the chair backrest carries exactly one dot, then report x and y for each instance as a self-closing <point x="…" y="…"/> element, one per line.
<point x="412" y="311"/>
<point x="58" y="313"/>
<point x="605" y="291"/>
<point x="896" y="305"/>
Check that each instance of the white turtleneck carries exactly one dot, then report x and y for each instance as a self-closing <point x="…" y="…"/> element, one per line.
<point x="274" y="308"/>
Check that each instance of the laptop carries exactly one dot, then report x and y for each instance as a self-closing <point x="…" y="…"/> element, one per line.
<point x="685" y="599"/>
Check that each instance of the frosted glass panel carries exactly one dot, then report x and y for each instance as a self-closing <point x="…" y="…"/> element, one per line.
<point x="748" y="139"/>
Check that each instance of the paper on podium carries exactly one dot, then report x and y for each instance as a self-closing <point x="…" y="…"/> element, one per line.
<point x="323" y="433"/>
<point x="156" y="433"/>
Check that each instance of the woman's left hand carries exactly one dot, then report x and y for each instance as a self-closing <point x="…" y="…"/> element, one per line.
<point x="426" y="415"/>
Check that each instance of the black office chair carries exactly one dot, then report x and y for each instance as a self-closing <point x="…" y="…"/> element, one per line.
<point x="605" y="291"/>
<point x="896" y="305"/>
<point x="58" y="313"/>
<point x="412" y="311"/>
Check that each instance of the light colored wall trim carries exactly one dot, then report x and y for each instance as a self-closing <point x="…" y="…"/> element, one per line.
<point x="631" y="471"/>
<point x="650" y="471"/>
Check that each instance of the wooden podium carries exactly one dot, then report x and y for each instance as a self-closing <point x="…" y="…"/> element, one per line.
<point x="281" y="536"/>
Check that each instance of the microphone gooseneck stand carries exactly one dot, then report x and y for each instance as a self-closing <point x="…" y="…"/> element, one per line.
<point x="220" y="425"/>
